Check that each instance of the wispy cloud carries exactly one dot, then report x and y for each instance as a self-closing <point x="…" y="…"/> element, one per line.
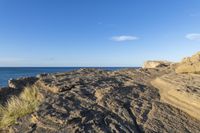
<point x="193" y="36"/>
<point x="123" y="38"/>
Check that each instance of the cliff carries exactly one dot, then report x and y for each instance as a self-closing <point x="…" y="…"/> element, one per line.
<point x="189" y="64"/>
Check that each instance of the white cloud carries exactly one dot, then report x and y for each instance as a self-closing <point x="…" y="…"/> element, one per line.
<point x="124" y="38"/>
<point x="193" y="36"/>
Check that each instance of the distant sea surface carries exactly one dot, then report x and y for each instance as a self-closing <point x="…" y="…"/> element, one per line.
<point x="7" y="73"/>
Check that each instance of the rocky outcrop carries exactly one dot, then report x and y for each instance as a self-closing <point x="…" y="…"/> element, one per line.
<point x="92" y="100"/>
<point x="189" y="64"/>
<point x="156" y="64"/>
<point x="181" y="88"/>
<point x="21" y="82"/>
<point x="4" y="94"/>
<point x="130" y="100"/>
<point x="15" y="86"/>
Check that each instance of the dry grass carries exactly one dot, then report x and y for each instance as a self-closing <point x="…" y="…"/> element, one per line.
<point x="17" y="107"/>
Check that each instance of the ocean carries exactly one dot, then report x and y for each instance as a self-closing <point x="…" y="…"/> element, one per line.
<point x="7" y="73"/>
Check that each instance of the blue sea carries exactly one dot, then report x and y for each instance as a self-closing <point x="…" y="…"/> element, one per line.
<point x="7" y="73"/>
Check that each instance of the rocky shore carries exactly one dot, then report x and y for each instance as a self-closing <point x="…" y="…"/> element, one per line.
<point x="160" y="97"/>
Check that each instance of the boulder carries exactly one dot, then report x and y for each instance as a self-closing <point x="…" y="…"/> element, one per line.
<point x="156" y="64"/>
<point x="189" y="64"/>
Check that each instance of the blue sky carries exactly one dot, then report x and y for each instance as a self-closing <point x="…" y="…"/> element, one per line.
<point x="97" y="32"/>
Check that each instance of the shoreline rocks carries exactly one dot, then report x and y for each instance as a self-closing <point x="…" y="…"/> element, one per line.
<point x="21" y="82"/>
<point x="150" y="99"/>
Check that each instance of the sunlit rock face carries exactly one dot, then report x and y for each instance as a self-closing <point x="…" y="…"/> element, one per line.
<point x="181" y="91"/>
<point x="156" y="64"/>
<point x="189" y="65"/>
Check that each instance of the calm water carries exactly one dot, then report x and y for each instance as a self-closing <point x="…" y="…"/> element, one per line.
<point x="8" y="73"/>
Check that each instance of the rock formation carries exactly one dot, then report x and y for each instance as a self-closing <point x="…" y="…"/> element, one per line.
<point x="21" y="82"/>
<point x="189" y="64"/>
<point x="181" y="88"/>
<point x="129" y="100"/>
<point x="155" y="64"/>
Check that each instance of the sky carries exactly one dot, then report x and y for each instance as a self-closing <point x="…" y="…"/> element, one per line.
<point x="42" y="33"/>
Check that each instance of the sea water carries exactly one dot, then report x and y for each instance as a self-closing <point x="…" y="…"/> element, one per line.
<point x="7" y="73"/>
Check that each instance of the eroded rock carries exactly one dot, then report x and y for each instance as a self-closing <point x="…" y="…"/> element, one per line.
<point x="189" y="64"/>
<point x="21" y="82"/>
<point x="156" y="64"/>
<point x="181" y="91"/>
<point x="92" y="100"/>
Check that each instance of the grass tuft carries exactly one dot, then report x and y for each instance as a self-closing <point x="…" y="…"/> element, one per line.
<point x="17" y="107"/>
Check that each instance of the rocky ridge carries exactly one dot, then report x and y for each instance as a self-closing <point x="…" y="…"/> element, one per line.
<point x="129" y="100"/>
<point x="189" y="64"/>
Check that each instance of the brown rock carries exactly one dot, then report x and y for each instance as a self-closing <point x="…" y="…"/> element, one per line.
<point x="92" y="100"/>
<point x="156" y="64"/>
<point x="189" y="64"/>
<point x="181" y="91"/>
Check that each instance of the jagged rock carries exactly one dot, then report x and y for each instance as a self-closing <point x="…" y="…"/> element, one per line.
<point x="41" y="75"/>
<point x="4" y="93"/>
<point x="21" y="82"/>
<point x="189" y="64"/>
<point x="92" y="100"/>
<point x="156" y="64"/>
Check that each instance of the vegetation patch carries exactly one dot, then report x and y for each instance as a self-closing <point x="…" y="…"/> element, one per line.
<point x="17" y="107"/>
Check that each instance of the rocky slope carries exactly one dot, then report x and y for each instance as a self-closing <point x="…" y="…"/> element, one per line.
<point x="181" y="91"/>
<point x="130" y="100"/>
<point x="181" y="88"/>
<point x="189" y="64"/>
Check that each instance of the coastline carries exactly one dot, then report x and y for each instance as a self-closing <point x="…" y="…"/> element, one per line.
<point x="131" y="98"/>
<point x="8" y="73"/>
